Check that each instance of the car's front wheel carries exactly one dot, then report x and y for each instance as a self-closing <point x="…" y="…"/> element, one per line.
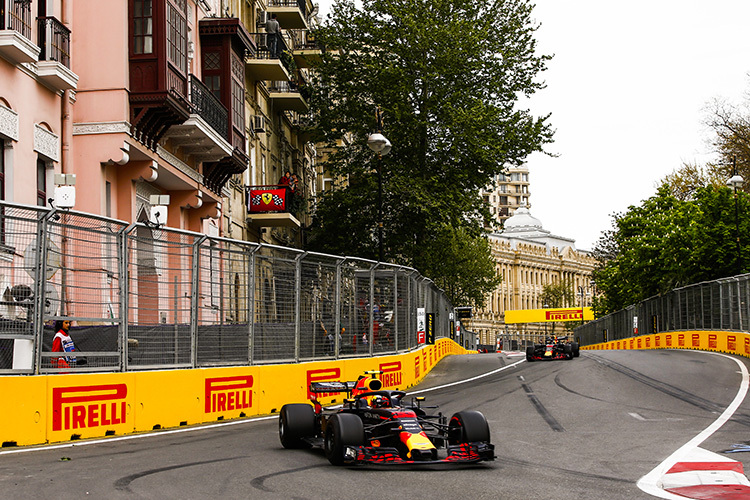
<point x="342" y="430"/>
<point x="296" y="422"/>
<point x="468" y="426"/>
<point x="530" y="353"/>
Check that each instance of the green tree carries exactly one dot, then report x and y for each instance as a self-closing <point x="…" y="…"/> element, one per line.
<point x="666" y="243"/>
<point x="461" y="264"/>
<point x="448" y="75"/>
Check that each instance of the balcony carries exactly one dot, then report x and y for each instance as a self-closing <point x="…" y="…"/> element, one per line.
<point x="291" y="14"/>
<point x="286" y="96"/>
<point x="15" y="32"/>
<point x="260" y="65"/>
<point x="305" y="48"/>
<point x="268" y="206"/>
<point x="205" y="134"/>
<point x="54" y="60"/>
<point x="216" y="174"/>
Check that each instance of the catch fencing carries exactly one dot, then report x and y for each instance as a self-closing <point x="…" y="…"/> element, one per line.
<point x="712" y="305"/>
<point x="146" y="297"/>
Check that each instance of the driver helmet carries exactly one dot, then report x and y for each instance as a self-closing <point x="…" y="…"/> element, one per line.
<point x="379" y="402"/>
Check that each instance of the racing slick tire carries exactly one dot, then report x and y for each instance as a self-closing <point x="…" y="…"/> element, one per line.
<point x="568" y="350"/>
<point x="530" y="353"/>
<point x="296" y="422"/>
<point x="576" y="349"/>
<point x="342" y="430"/>
<point x="468" y="426"/>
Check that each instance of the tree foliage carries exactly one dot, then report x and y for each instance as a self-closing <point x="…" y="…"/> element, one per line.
<point x="461" y="265"/>
<point x="447" y="75"/>
<point x="667" y="242"/>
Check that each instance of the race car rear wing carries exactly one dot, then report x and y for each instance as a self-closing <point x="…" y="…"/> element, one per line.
<point x="327" y="387"/>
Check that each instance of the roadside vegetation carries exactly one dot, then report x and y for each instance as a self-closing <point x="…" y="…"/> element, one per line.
<point x="693" y="229"/>
<point x="447" y="77"/>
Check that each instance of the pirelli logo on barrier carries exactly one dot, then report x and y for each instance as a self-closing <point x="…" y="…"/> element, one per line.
<point x="88" y="406"/>
<point x="731" y="342"/>
<point x="391" y="376"/>
<point x="228" y="393"/>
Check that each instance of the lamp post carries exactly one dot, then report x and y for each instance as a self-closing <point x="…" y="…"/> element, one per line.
<point x="736" y="182"/>
<point x="381" y="146"/>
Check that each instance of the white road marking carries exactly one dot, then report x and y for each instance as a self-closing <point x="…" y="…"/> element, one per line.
<point x="651" y="482"/>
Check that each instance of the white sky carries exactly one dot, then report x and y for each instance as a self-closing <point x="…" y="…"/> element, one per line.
<point x="627" y="89"/>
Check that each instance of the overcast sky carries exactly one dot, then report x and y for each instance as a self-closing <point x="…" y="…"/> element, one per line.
<point x="627" y="89"/>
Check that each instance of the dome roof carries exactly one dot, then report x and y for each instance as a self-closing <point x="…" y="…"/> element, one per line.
<point x="522" y="220"/>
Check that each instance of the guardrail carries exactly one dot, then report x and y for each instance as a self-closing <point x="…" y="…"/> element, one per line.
<point x="144" y="297"/>
<point x="713" y="305"/>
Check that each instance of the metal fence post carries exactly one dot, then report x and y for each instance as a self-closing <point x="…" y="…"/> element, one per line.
<point x="195" y="283"/>
<point x="251" y="306"/>
<point x="297" y="305"/>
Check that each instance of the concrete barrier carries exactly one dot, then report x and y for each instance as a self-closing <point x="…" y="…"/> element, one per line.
<point x="705" y="340"/>
<point x="54" y="408"/>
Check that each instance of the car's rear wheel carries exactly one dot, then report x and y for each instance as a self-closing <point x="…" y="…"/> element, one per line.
<point x="296" y="422"/>
<point x="568" y="350"/>
<point x="342" y="430"/>
<point x="468" y="426"/>
<point x="530" y="353"/>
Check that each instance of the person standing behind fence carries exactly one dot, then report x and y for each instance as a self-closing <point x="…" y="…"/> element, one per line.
<point x="63" y="343"/>
<point x="273" y="32"/>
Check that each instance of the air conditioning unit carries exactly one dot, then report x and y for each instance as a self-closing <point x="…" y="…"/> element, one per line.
<point x="262" y="18"/>
<point x="259" y="124"/>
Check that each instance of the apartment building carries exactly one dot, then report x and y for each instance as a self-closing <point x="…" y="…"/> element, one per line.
<point x="177" y="103"/>
<point x="528" y="257"/>
<point x="507" y="193"/>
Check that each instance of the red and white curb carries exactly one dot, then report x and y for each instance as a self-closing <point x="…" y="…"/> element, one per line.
<point x="693" y="472"/>
<point x="705" y="474"/>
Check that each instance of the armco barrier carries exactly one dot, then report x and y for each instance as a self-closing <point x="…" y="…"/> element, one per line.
<point x="55" y="408"/>
<point x="705" y="340"/>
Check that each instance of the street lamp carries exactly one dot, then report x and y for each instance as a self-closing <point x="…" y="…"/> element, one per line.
<point x="736" y="182"/>
<point x="381" y="146"/>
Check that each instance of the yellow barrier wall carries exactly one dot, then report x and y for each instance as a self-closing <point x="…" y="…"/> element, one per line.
<point x="704" y="340"/>
<point x="52" y="408"/>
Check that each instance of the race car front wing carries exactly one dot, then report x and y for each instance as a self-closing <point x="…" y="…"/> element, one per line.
<point x="461" y="453"/>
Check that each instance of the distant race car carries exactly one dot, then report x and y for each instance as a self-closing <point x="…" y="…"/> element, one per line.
<point x="376" y="426"/>
<point x="553" y="348"/>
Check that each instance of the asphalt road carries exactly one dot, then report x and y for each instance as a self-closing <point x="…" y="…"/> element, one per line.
<point x="582" y="429"/>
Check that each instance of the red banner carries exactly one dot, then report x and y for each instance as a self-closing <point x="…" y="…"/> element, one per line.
<point x="267" y="200"/>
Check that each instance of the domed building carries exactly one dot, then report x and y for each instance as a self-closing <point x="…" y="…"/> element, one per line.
<point x="528" y="257"/>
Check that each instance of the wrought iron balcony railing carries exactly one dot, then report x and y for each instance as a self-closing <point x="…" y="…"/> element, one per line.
<point x="16" y="15"/>
<point x="303" y="40"/>
<point x="208" y="107"/>
<point x="54" y="40"/>
<point x="300" y="4"/>
<point x="262" y="49"/>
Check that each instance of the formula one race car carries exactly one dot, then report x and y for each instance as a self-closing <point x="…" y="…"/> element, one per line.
<point x="376" y="426"/>
<point x="553" y="348"/>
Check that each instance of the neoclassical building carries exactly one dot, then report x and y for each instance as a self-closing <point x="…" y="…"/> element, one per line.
<point x="528" y="257"/>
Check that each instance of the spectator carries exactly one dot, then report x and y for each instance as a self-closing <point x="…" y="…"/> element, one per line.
<point x="63" y="343"/>
<point x="273" y="32"/>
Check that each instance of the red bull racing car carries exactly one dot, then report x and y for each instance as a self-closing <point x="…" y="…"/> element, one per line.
<point x="376" y="426"/>
<point x="553" y="348"/>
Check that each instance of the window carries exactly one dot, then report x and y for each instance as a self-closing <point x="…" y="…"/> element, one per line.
<point x="143" y="27"/>
<point x="212" y="72"/>
<point x="177" y="34"/>
<point x="238" y="96"/>
<point x="41" y="183"/>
